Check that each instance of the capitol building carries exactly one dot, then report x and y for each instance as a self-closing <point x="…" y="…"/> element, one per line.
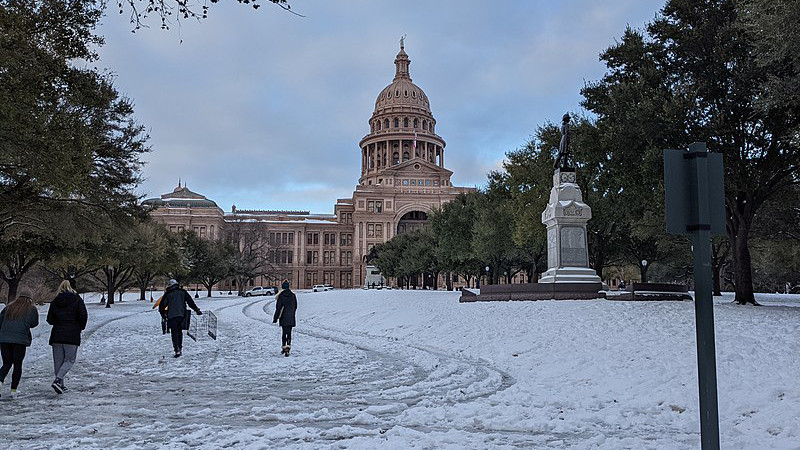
<point x="403" y="178"/>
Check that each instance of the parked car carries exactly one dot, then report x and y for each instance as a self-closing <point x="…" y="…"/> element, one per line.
<point x="328" y="287"/>
<point x="321" y="288"/>
<point x="258" y="290"/>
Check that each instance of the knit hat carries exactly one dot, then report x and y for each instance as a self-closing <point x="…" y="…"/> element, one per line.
<point x="24" y="292"/>
<point x="285" y="284"/>
<point x="172" y="282"/>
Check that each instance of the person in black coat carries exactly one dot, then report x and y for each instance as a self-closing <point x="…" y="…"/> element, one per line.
<point x="173" y="307"/>
<point x="285" y="308"/>
<point x="16" y="321"/>
<point x="67" y="315"/>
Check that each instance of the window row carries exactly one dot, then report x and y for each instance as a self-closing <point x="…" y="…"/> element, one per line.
<point x="379" y="125"/>
<point x="423" y="183"/>
<point x="281" y="238"/>
<point x="329" y="257"/>
<point x="281" y="256"/>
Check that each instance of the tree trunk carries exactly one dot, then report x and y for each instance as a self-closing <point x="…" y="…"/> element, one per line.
<point x="743" y="268"/>
<point x="209" y="289"/>
<point x="109" y="295"/>
<point x="448" y="281"/>
<point x="717" y="276"/>
<point x="13" y="286"/>
<point x="599" y="262"/>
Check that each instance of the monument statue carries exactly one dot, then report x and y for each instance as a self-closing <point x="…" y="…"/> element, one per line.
<point x="403" y="41"/>
<point x="562" y="160"/>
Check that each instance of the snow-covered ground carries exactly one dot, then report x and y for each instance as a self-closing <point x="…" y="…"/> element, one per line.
<point x="416" y="369"/>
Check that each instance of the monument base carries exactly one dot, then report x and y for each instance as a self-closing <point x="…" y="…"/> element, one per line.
<point x="570" y="275"/>
<point x="535" y="291"/>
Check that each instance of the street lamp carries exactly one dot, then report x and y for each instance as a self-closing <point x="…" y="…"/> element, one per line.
<point x="644" y="271"/>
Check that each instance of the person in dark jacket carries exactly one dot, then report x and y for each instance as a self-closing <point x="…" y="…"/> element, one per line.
<point x="285" y="308"/>
<point x="16" y="321"/>
<point x="68" y="317"/>
<point x="173" y="307"/>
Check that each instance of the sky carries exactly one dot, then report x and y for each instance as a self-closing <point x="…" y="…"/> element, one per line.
<point x="264" y="109"/>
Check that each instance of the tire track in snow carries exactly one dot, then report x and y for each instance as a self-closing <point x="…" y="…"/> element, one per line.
<point x="464" y="380"/>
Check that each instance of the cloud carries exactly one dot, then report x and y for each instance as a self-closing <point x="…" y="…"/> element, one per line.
<point x="264" y="109"/>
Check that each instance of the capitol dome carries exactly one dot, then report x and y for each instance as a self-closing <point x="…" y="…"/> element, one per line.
<point x="402" y="91"/>
<point x="401" y="129"/>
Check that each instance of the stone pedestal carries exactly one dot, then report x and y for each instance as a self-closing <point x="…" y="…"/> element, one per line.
<point x="565" y="218"/>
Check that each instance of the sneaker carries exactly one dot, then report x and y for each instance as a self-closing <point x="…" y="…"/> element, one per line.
<point x="177" y="354"/>
<point x="12" y="393"/>
<point x="57" y="386"/>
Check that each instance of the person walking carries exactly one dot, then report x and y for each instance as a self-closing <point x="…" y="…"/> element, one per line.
<point x="173" y="307"/>
<point x="68" y="317"/>
<point x="285" y="308"/>
<point x="16" y="321"/>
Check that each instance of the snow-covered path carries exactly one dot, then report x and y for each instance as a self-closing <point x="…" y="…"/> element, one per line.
<point x="396" y="369"/>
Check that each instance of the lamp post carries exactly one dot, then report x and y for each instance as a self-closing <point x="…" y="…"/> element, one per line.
<point x="644" y="271"/>
<point x="487" y="275"/>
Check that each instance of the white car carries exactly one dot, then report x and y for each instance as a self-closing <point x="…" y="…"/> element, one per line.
<point x="321" y="288"/>
<point x="258" y="290"/>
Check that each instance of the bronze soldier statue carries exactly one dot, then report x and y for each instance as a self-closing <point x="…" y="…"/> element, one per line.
<point x="562" y="160"/>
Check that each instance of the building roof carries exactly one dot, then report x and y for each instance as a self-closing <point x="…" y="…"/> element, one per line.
<point x="181" y="197"/>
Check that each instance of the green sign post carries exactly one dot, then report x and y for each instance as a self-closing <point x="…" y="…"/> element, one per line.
<point x="694" y="198"/>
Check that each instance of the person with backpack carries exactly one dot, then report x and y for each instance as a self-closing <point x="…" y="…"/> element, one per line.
<point x="16" y="321"/>
<point x="285" y="308"/>
<point x="173" y="307"/>
<point x="67" y="315"/>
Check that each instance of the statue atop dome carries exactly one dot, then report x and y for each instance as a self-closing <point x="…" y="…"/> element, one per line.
<point x="403" y="42"/>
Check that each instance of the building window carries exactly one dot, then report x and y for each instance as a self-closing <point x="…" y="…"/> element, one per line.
<point x="416" y="123"/>
<point x="378" y="230"/>
<point x="386" y="123"/>
<point x="405" y="182"/>
<point x="289" y="257"/>
<point x="291" y="238"/>
<point x="378" y="206"/>
<point x="346" y="239"/>
<point x="396" y="122"/>
<point x="405" y="122"/>
<point x="405" y="156"/>
<point x="413" y="182"/>
<point x="370" y="206"/>
<point x="346" y="258"/>
<point x="370" y="230"/>
<point x="312" y="238"/>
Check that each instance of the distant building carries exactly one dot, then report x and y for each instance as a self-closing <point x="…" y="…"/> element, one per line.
<point x="403" y="178"/>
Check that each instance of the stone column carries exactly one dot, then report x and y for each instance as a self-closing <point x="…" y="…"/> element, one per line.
<point x="565" y="218"/>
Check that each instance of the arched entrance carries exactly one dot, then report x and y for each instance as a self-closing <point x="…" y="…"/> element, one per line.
<point x="409" y="222"/>
<point x="412" y="220"/>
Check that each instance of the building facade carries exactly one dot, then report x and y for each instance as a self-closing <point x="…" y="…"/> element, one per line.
<point x="403" y="178"/>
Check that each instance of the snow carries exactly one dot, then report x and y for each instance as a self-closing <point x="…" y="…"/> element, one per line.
<point x="415" y="369"/>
